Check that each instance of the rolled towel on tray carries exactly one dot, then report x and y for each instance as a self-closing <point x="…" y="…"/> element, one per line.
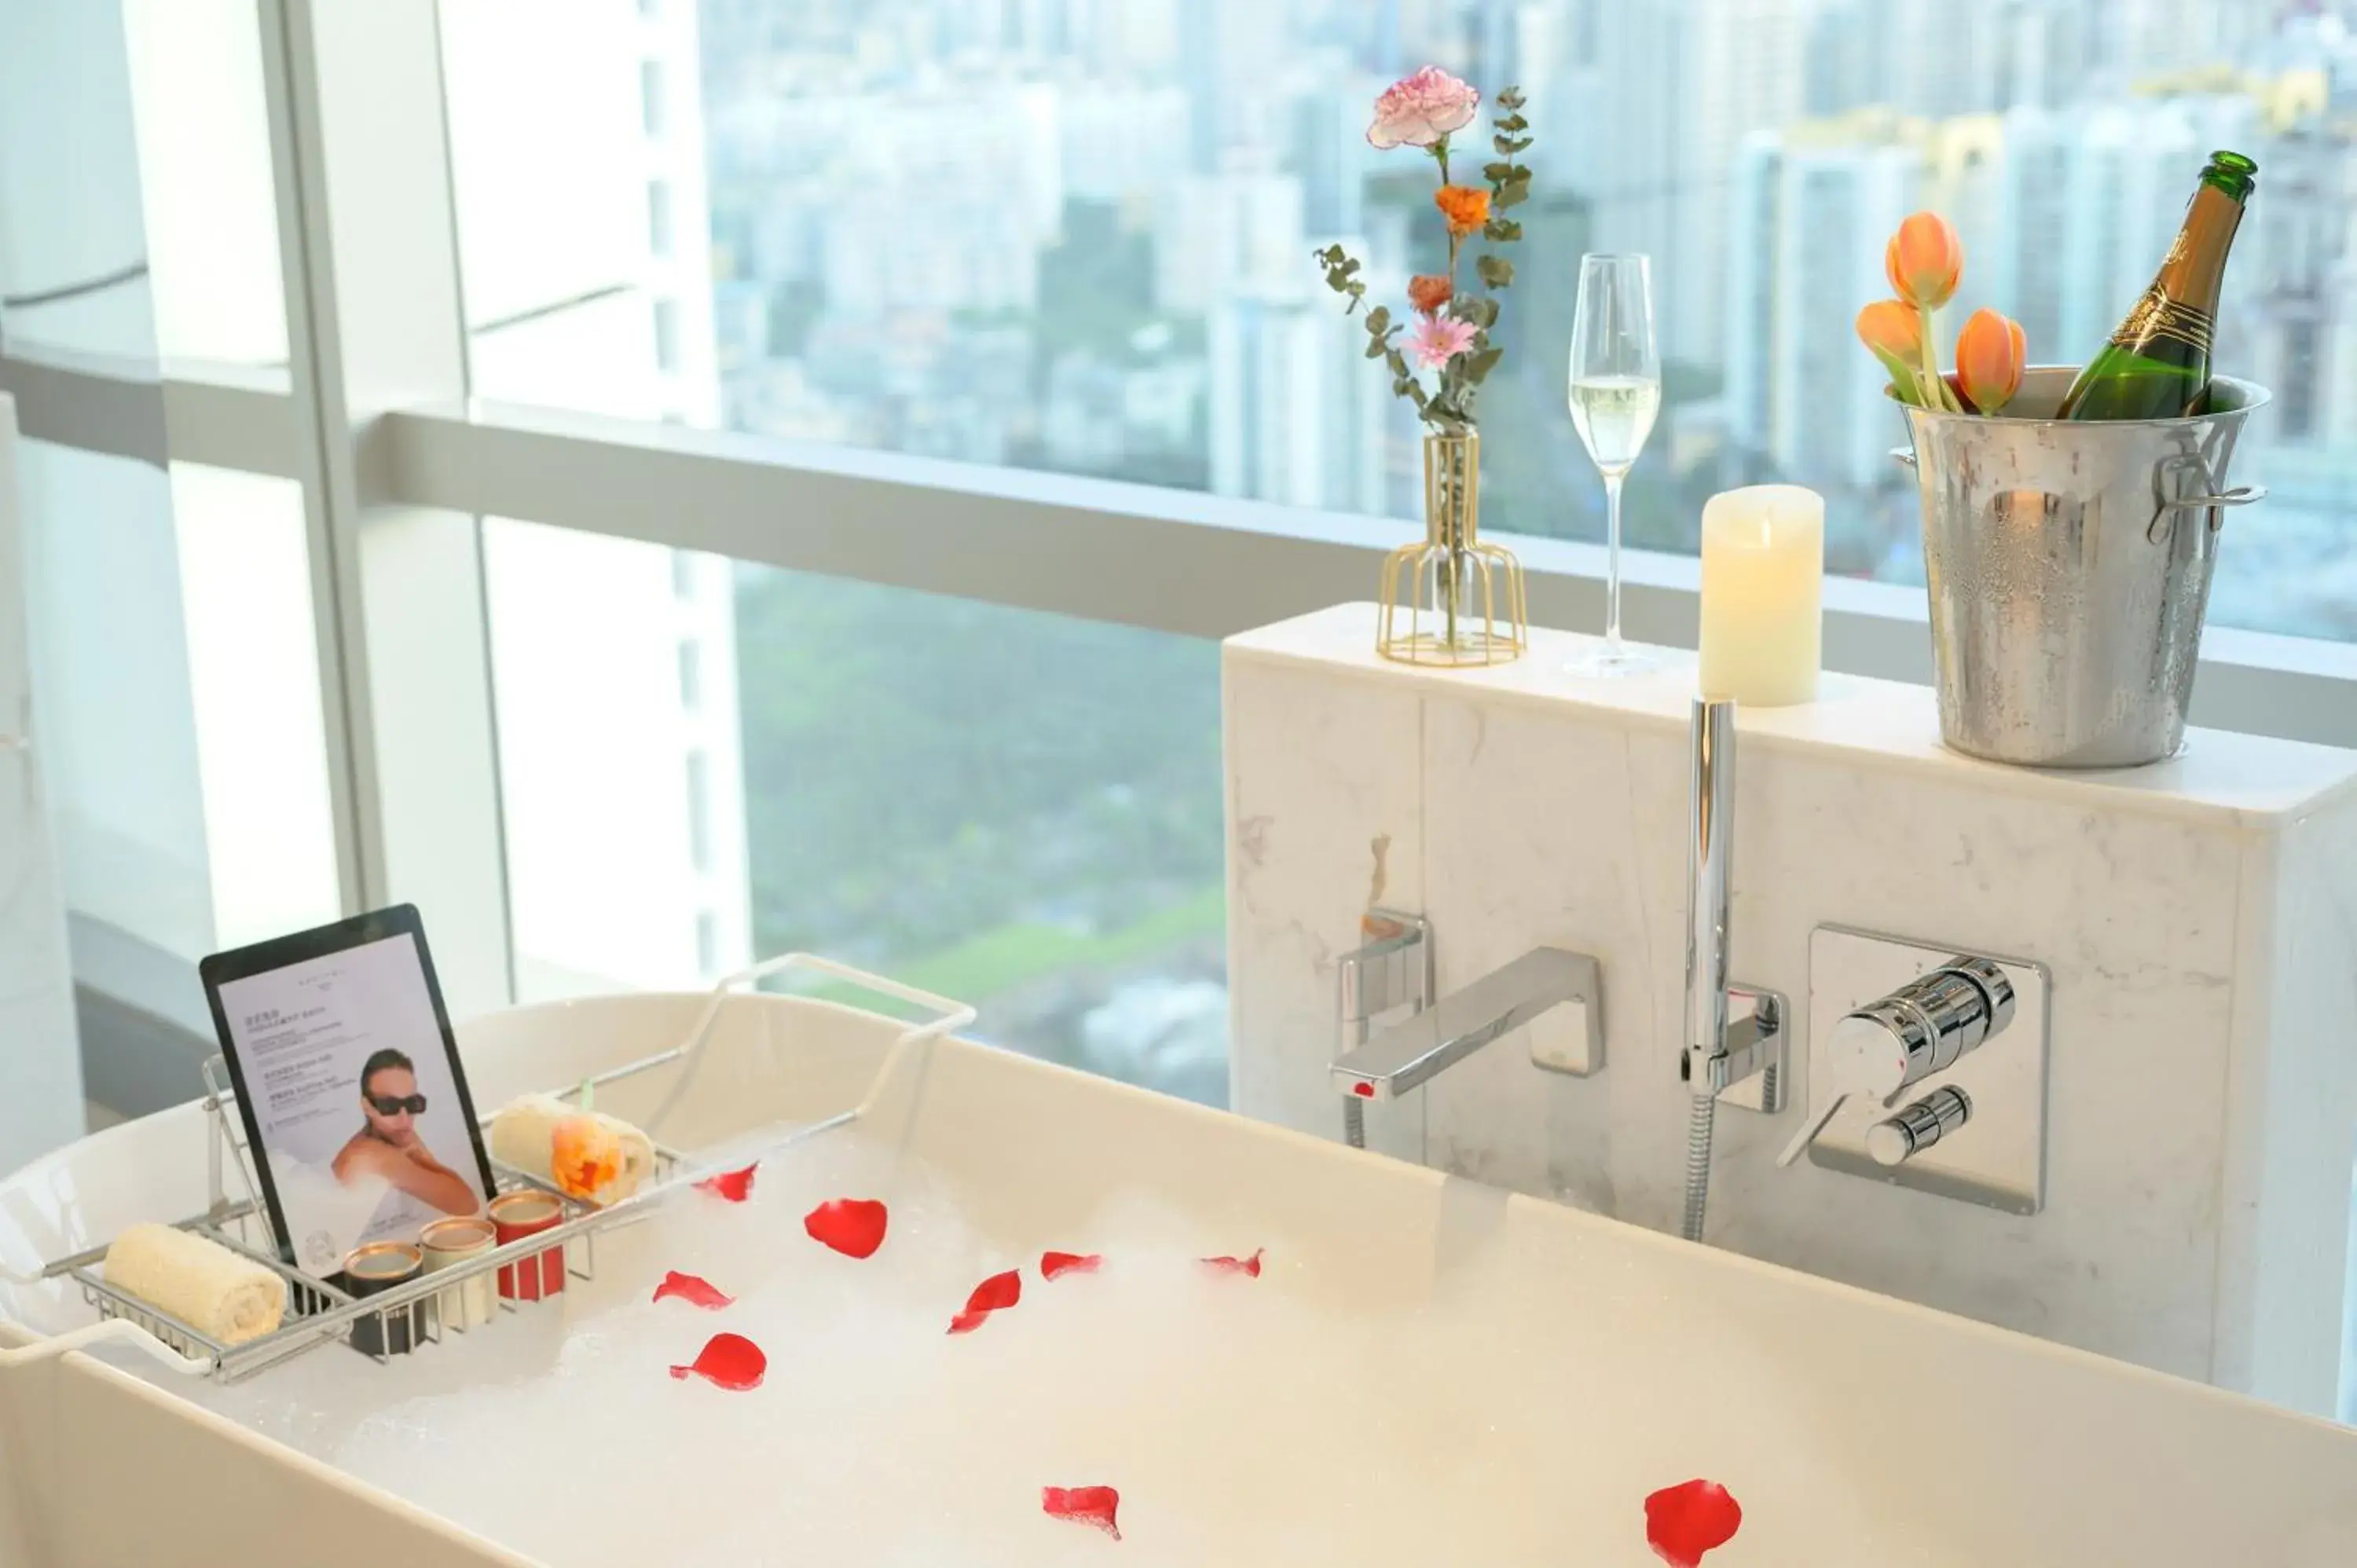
<point x="615" y="1157"/>
<point x="225" y="1297"/>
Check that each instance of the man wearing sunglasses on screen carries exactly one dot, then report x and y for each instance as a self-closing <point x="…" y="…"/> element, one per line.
<point x="387" y="1145"/>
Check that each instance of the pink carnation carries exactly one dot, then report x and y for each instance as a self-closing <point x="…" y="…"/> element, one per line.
<point x="1422" y="109"/>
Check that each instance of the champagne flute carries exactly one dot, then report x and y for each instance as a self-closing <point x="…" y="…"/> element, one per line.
<point x="1615" y="390"/>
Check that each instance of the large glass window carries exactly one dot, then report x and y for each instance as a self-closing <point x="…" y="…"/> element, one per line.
<point x="1075" y="235"/>
<point x="177" y="720"/>
<point x="177" y="686"/>
<point x="1018" y="809"/>
<point x="1015" y="809"/>
<point x="136" y="210"/>
<point x="174" y="797"/>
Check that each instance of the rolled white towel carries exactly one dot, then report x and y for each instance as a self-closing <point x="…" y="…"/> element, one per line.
<point x="201" y="1283"/>
<point x="523" y="1136"/>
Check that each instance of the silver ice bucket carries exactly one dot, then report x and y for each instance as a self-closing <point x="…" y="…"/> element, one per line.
<point x="2068" y="567"/>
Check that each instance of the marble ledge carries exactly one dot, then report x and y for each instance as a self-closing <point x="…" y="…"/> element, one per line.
<point x="2254" y="783"/>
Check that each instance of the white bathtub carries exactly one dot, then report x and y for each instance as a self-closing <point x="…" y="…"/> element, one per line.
<point x="2013" y="1450"/>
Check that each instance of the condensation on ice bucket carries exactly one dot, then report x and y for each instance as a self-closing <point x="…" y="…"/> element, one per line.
<point x="2068" y="567"/>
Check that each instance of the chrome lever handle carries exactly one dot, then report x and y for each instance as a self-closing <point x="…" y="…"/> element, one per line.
<point x="1924" y="1027"/>
<point x="1869" y="1054"/>
<point x="1808" y="1135"/>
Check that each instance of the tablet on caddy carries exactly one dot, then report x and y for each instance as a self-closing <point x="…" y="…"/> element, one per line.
<point x="349" y="1082"/>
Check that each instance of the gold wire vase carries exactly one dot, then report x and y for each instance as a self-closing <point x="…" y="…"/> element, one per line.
<point x="1452" y="601"/>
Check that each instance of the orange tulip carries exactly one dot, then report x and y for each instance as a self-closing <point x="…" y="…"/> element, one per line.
<point x="1925" y="261"/>
<point x="1894" y="332"/>
<point x="1991" y="353"/>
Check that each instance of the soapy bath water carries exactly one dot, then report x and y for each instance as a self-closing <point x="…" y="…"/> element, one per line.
<point x="1243" y="1420"/>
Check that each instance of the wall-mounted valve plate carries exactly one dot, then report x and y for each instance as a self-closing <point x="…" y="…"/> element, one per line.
<point x="1999" y="1157"/>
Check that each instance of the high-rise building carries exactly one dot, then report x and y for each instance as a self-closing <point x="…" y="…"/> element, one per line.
<point x="2088" y="202"/>
<point x="1618" y="86"/>
<point x="1811" y="210"/>
<point x="1330" y="156"/>
<point x="614" y="661"/>
<point x="1672" y="88"/>
<point x="1297" y="412"/>
<point x="2291" y="270"/>
<point x="1742" y="64"/>
<point x="1230" y="52"/>
<point x="1121" y="143"/>
<point x="1756" y="216"/>
<point x="1222" y="235"/>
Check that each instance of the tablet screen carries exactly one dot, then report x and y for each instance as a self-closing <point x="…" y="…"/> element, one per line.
<point x="354" y="1101"/>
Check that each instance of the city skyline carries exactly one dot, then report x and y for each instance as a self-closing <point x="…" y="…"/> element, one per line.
<point x="1074" y="235"/>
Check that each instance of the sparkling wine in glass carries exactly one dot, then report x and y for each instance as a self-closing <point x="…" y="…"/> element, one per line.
<point x="1615" y="390"/>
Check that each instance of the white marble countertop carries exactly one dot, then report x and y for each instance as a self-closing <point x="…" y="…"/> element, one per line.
<point x="2252" y="780"/>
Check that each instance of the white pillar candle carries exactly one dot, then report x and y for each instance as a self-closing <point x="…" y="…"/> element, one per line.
<point x="1763" y="567"/>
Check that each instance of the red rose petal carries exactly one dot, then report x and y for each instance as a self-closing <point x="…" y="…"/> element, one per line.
<point x="852" y="1226"/>
<point x="734" y="1186"/>
<point x="1683" y="1522"/>
<point x="728" y="1361"/>
<point x="694" y="1289"/>
<point x="998" y="1290"/>
<point x="992" y="1294"/>
<point x="1056" y="1265"/>
<point x="1249" y="1266"/>
<point x="1083" y="1505"/>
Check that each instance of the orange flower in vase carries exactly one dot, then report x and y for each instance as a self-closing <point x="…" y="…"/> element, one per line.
<point x="1429" y="292"/>
<point x="1438" y="355"/>
<point x="1465" y="208"/>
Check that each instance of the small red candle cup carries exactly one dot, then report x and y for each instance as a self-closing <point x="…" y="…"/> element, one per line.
<point x="514" y="1216"/>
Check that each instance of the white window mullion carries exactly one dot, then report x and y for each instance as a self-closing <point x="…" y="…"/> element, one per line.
<point x="375" y="324"/>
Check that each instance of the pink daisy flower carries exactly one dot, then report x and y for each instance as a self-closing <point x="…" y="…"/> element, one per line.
<point x="1439" y="340"/>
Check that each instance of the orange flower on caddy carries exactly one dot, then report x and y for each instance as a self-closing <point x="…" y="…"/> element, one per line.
<point x="1992" y="352"/>
<point x="585" y="1156"/>
<point x="1466" y="206"/>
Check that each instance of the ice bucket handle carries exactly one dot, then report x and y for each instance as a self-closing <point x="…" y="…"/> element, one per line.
<point x="2162" y="521"/>
<point x="2158" y="529"/>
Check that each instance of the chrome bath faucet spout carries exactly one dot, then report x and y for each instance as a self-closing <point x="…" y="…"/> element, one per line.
<point x="1411" y="1053"/>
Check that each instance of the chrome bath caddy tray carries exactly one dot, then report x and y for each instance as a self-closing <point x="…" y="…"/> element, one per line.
<point x="416" y="1313"/>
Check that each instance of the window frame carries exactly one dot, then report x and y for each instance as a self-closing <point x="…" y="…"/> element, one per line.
<point x="395" y="487"/>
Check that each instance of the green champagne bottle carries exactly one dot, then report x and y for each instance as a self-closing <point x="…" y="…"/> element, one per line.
<point x="2157" y="365"/>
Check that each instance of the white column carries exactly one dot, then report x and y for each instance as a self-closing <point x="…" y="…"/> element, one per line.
<point x="375" y="325"/>
<point x="40" y="1057"/>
